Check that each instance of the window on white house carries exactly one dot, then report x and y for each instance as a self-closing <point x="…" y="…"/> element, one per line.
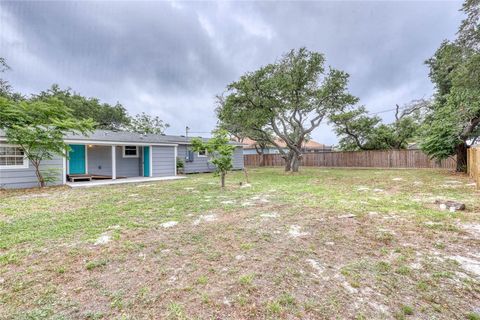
<point x="130" y="151"/>
<point x="12" y="157"/>
<point x="202" y="153"/>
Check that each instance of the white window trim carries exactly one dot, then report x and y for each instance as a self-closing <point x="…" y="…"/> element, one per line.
<point x="129" y="156"/>
<point x="202" y="156"/>
<point x="25" y="160"/>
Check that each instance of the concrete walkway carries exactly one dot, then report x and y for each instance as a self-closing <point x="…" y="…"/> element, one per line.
<point x="96" y="183"/>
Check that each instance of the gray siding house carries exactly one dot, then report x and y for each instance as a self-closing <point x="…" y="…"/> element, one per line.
<point x="109" y="155"/>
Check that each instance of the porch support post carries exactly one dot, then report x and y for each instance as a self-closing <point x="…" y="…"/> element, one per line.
<point x="150" y="154"/>
<point x="114" y="163"/>
<point x="175" y="161"/>
<point x="64" y="168"/>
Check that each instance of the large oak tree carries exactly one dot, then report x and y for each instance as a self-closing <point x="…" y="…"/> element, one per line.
<point x="287" y="99"/>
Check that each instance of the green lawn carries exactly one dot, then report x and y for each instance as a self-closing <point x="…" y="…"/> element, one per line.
<point x="323" y="243"/>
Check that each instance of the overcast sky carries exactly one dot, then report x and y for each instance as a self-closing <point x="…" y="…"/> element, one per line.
<point x="171" y="58"/>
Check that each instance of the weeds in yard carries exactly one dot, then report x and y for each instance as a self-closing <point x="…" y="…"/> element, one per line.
<point x="246" y="246"/>
<point x="404" y="312"/>
<point x="61" y="269"/>
<point x="93" y="315"/>
<point x="407" y="310"/>
<point x="473" y="316"/>
<point x="385" y="237"/>
<point x="8" y="258"/>
<point x="202" y="280"/>
<point x="246" y="279"/>
<point x="90" y="265"/>
<point x="274" y="307"/>
<point x="176" y="311"/>
<point x="403" y="270"/>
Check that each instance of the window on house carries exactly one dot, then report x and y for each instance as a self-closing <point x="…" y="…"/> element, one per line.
<point x="202" y="153"/>
<point x="130" y="151"/>
<point x="12" y="157"/>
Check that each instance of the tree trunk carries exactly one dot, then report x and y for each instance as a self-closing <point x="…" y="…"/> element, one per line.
<point x="296" y="162"/>
<point x="288" y="162"/>
<point x="461" y="152"/>
<point x="41" y="181"/>
<point x="246" y="175"/>
<point x="261" y="152"/>
<point x="222" y="177"/>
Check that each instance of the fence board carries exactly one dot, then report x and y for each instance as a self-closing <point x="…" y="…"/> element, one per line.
<point x="358" y="159"/>
<point x="473" y="164"/>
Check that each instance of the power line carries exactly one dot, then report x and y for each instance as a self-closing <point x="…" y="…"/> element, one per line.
<point x="388" y="110"/>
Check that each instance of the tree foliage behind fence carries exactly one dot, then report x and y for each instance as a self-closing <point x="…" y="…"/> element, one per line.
<point x="473" y="164"/>
<point x="360" y="159"/>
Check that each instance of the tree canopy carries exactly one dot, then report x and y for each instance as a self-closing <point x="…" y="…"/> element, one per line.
<point x="287" y="99"/>
<point x="106" y="116"/>
<point x="144" y="123"/>
<point x="357" y="130"/>
<point x="454" y="117"/>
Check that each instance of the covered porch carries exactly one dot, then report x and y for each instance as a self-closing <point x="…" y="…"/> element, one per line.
<point x="104" y="162"/>
<point x="90" y="162"/>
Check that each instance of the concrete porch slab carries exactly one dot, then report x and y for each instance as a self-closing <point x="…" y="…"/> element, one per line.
<point x="88" y="184"/>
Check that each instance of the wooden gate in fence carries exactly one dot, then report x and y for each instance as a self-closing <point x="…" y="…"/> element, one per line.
<point x="359" y="159"/>
<point x="473" y="164"/>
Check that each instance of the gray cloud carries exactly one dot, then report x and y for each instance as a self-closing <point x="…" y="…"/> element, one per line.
<point x="172" y="58"/>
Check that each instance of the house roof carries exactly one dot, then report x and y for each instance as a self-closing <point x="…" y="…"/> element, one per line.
<point x="310" y="144"/>
<point x="124" y="137"/>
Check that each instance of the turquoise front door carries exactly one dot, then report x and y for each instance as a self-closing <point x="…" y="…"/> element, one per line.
<point x="76" y="159"/>
<point x="146" y="161"/>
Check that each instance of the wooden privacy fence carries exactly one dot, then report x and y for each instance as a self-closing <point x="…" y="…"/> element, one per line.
<point x="360" y="159"/>
<point x="473" y="164"/>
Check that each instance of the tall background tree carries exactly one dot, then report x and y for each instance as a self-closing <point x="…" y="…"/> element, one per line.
<point x="106" y="116"/>
<point x="287" y="99"/>
<point x="144" y="123"/>
<point x="5" y="88"/>
<point x="453" y="120"/>
<point x="357" y="130"/>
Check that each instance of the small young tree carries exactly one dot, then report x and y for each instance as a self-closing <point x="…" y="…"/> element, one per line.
<point x="219" y="151"/>
<point x="39" y="127"/>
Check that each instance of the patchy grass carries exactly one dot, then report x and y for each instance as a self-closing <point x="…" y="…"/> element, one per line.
<point x="368" y="244"/>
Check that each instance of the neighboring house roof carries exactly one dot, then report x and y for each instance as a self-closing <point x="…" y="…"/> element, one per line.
<point x="129" y="137"/>
<point x="310" y="144"/>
